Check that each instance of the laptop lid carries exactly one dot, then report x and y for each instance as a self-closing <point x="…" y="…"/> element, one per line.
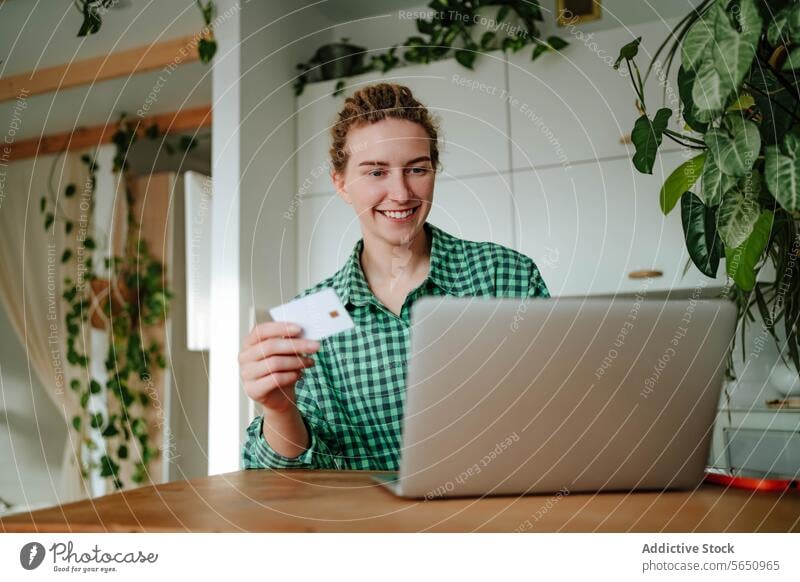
<point x="512" y="396"/>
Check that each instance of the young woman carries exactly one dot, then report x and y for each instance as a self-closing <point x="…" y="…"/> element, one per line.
<point x="342" y="408"/>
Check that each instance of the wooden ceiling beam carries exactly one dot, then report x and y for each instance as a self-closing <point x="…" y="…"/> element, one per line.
<point x="87" y="137"/>
<point x="170" y="53"/>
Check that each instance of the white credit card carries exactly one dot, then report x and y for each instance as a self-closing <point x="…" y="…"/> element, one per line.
<point x="320" y="314"/>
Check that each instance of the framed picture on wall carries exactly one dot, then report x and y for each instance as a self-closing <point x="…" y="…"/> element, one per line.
<point x="577" y="11"/>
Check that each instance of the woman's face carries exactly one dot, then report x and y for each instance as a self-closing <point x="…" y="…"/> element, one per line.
<point x="389" y="169"/>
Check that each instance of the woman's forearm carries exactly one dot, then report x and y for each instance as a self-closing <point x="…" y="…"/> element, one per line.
<point x="286" y="432"/>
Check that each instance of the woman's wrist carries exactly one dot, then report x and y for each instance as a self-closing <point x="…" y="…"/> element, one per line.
<point x="285" y="431"/>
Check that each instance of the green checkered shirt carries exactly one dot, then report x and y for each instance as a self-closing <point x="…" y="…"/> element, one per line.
<point x="352" y="399"/>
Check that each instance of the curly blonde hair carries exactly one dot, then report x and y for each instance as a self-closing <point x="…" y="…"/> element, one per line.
<point x="374" y="103"/>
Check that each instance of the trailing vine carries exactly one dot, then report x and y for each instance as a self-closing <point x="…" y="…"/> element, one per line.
<point x="450" y="33"/>
<point x="93" y="12"/>
<point x="133" y="299"/>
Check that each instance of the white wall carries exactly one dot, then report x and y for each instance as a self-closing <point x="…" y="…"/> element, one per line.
<point x="254" y="249"/>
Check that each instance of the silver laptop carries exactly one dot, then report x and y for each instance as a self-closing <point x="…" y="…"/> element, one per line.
<point x="518" y="396"/>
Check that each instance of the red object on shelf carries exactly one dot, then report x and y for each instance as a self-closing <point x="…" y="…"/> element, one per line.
<point x="753" y="483"/>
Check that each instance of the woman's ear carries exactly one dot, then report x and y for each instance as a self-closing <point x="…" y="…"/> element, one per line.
<point x="338" y="182"/>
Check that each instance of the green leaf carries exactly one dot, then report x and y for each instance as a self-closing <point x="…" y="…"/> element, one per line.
<point x="76" y="422"/>
<point x="84" y="400"/>
<point x="206" y="49"/>
<point x="733" y="50"/>
<point x="697" y="40"/>
<point x="685" y="83"/>
<point x="739" y="211"/>
<point x="743" y="102"/>
<point x="793" y="24"/>
<point x="69" y="191"/>
<point x="48" y="220"/>
<point x="110" y="430"/>
<point x="68" y="225"/>
<point x="775" y="31"/>
<point x="557" y="43"/>
<point x="702" y="240"/>
<point x="487" y="38"/>
<point x="122" y="452"/>
<point x="466" y="58"/>
<point x="74" y="385"/>
<point x="628" y="51"/>
<point x="538" y="51"/>
<point x="709" y="92"/>
<point x="97" y="420"/>
<point x="741" y="262"/>
<point x="89" y="243"/>
<point x="94" y="387"/>
<point x="91" y="19"/>
<point x="714" y="182"/>
<point x="66" y="255"/>
<point x="42" y="204"/>
<point x="680" y="180"/>
<point x="793" y="60"/>
<point x="139" y="427"/>
<point x="782" y="171"/>
<point x="734" y="145"/>
<point x="646" y="137"/>
<point x="108" y="467"/>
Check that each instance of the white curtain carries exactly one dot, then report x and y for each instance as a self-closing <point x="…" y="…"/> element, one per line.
<point x="31" y="281"/>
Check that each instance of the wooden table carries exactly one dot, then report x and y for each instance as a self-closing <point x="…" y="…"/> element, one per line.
<point x="336" y="501"/>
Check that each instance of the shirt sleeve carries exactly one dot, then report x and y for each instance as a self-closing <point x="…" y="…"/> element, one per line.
<point x="536" y="284"/>
<point x="322" y="452"/>
<point x="516" y="275"/>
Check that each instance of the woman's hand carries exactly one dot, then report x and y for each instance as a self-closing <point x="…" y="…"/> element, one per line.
<point x="271" y="362"/>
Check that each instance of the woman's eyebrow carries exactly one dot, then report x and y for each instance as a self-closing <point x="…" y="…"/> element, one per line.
<point x="378" y="163"/>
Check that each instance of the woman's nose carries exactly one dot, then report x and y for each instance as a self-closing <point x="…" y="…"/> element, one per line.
<point x="398" y="189"/>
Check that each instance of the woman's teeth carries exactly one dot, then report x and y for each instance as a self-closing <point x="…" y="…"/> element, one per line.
<point x="398" y="215"/>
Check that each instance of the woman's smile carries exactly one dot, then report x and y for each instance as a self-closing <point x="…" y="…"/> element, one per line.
<point x="404" y="215"/>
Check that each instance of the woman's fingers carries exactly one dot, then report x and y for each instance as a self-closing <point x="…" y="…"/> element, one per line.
<point x="269" y="329"/>
<point x="273" y="364"/>
<point x="277" y="346"/>
<point x="260" y="389"/>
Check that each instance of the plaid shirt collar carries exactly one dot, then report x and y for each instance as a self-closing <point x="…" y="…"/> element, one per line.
<point x="447" y="270"/>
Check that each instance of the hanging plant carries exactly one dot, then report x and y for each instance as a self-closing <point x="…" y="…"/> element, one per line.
<point x="132" y="299"/>
<point x="739" y="196"/>
<point x="93" y="12"/>
<point x="450" y="32"/>
<point x="207" y="45"/>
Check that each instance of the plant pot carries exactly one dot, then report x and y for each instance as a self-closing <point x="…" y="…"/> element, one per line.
<point x="785" y="380"/>
<point x="102" y="292"/>
<point x="339" y="60"/>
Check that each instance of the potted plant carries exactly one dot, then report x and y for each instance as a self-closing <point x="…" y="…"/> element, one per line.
<point x="739" y="193"/>
<point x="339" y="59"/>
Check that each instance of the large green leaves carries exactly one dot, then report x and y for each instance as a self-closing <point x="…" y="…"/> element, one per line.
<point x="741" y="262"/>
<point x="679" y="181"/>
<point x="726" y="56"/>
<point x="782" y="171"/>
<point x="699" y="230"/>
<point x="739" y="211"/>
<point x="734" y="145"/>
<point x="646" y="137"/>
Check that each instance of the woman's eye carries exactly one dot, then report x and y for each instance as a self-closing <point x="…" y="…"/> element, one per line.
<point x="373" y="173"/>
<point x="421" y="172"/>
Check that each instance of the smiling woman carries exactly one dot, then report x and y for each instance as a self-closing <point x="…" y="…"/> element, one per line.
<point x="343" y="407"/>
